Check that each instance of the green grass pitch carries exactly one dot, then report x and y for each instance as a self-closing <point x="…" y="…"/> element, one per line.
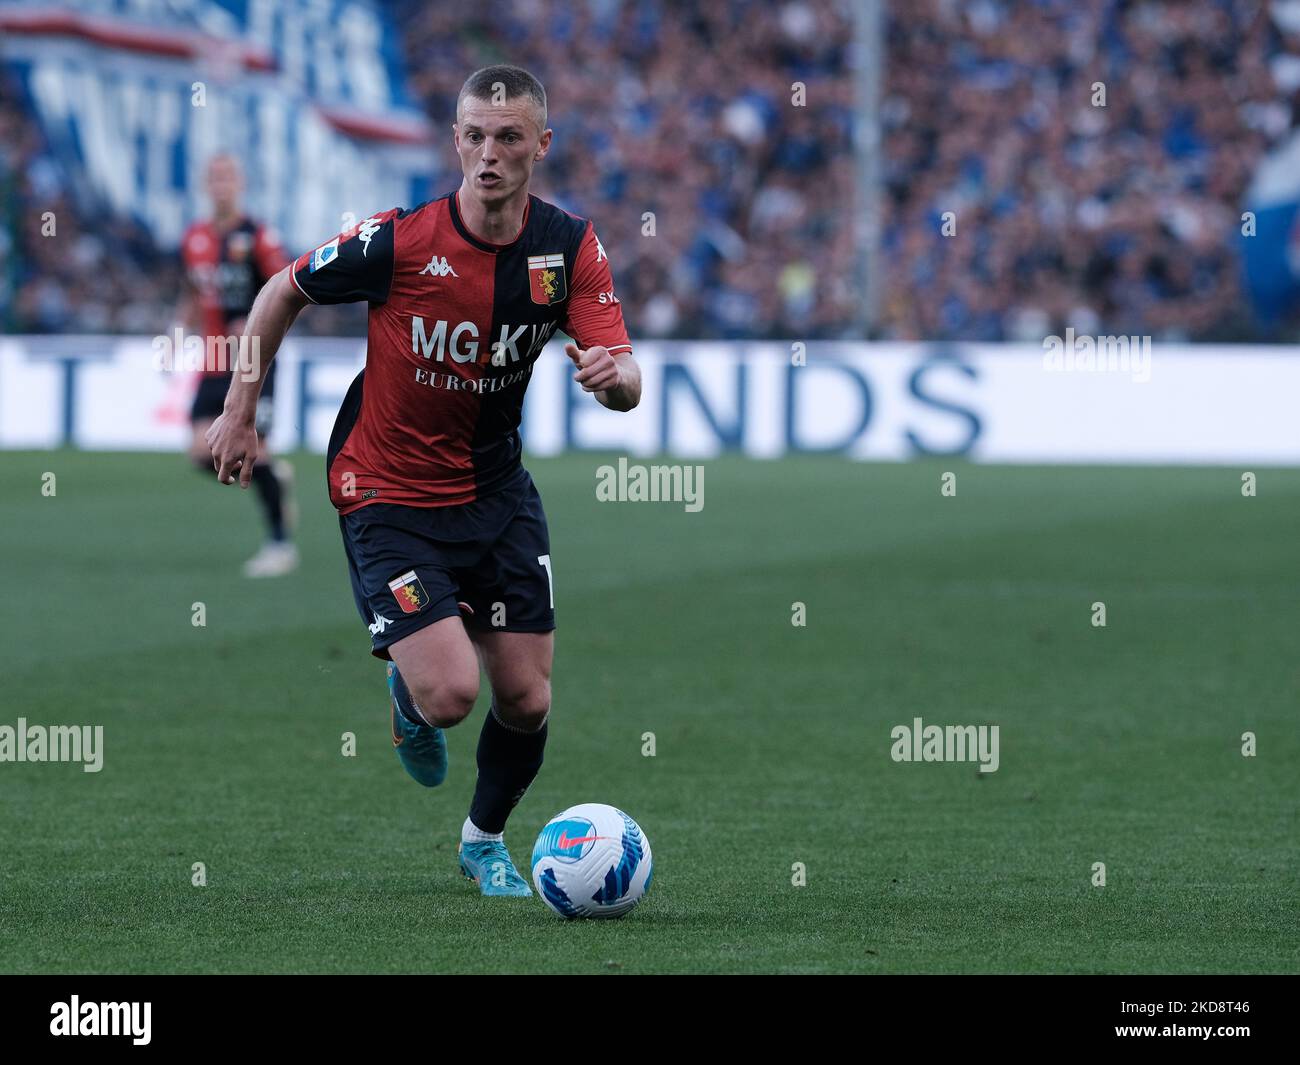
<point x="1119" y="744"/>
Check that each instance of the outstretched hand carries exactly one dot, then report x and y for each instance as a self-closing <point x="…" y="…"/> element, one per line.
<point x="597" y="370"/>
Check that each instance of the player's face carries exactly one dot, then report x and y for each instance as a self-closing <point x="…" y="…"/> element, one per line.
<point x="498" y="145"/>
<point x="224" y="184"/>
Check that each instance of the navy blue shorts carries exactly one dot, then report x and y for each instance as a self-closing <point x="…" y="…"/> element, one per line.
<point x="210" y="400"/>
<point x="488" y="561"/>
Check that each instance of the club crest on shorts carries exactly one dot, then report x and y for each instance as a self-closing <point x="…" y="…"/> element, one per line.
<point x="546" y="278"/>
<point x="409" y="592"/>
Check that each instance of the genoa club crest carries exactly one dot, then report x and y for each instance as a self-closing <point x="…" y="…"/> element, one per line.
<point x="546" y="278"/>
<point x="409" y="592"/>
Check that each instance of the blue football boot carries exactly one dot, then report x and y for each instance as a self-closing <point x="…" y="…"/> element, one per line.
<point x="422" y="749"/>
<point x="488" y="864"/>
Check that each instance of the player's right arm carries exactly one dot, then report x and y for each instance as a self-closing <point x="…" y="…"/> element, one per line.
<point x="356" y="265"/>
<point x="232" y="438"/>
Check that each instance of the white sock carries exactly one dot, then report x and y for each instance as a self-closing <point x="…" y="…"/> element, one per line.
<point x="471" y="833"/>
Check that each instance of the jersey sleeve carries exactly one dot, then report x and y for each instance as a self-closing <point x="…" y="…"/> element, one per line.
<point x="594" y="315"/>
<point x="356" y="265"/>
<point x="268" y="253"/>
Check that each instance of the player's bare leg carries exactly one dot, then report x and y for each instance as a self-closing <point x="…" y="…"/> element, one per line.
<point x="440" y="669"/>
<point x="432" y="684"/>
<point x="518" y="665"/>
<point x="510" y="750"/>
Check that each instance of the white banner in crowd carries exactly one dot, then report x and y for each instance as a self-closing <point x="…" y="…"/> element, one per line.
<point x="990" y="403"/>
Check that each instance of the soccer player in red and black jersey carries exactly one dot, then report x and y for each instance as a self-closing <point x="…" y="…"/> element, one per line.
<point x="227" y="260"/>
<point x="447" y="543"/>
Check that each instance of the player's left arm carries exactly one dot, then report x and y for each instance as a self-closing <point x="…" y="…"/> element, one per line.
<point x="601" y="350"/>
<point x="615" y="380"/>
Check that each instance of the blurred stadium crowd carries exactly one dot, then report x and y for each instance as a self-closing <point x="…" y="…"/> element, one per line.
<point x="684" y="111"/>
<point x="1118" y="219"/>
<point x="98" y="274"/>
<point x="1122" y="218"/>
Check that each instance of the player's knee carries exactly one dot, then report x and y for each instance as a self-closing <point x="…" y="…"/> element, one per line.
<point x="525" y="707"/>
<point x="445" y="703"/>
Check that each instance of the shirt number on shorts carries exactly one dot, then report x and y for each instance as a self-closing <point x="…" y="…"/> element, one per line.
<point x="545" y="560"/>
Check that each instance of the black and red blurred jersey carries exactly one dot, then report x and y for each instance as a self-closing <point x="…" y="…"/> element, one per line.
<point x="227" y="269"/>
<point x="455" y="327"/>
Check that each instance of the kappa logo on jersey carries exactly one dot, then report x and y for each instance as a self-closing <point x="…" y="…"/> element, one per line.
<point x="324" y="255"/>
<point x="409" y="592"/>
<point x="546" y="278"/>
<point x="366" y="232"/>
<point x="439" y="267"/>
<point x="381" y="623"/>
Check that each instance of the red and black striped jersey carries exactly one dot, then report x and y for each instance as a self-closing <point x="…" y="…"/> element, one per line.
<point x="455" y="327"/>
<point x="227" y="268"/>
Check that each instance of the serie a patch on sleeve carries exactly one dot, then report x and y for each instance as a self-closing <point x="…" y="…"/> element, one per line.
<point x="409" y="592"/>
<point x="324" y="255"/>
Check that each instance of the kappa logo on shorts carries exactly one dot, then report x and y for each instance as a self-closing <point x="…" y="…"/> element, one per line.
<point x="409" y="592"/>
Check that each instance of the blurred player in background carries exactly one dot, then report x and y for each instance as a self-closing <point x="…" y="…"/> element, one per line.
<point x="227" y="261"/>
<point x="447" y="542"/>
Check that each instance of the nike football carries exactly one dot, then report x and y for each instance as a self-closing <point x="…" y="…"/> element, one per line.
<point x="591" y="861"/>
